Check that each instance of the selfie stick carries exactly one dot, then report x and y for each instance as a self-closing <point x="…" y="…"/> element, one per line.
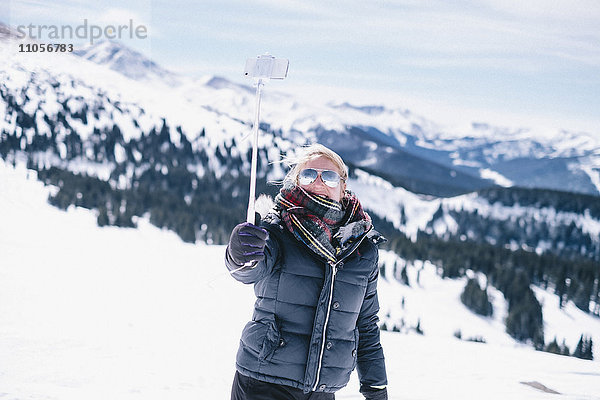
<point x="250" y="215"/>
<point x="262" y="69"/>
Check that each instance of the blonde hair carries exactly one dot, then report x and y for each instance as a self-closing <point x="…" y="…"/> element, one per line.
<point x="309" y="153"/>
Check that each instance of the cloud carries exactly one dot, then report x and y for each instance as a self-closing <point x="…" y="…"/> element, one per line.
<point x="513" y="63"/>
<point x="75" y="11"/>
<point x="39" y="11"/>
<point x="439" y="29"/>
<point x="117" y="15"/>
<point x="556" y="10"/>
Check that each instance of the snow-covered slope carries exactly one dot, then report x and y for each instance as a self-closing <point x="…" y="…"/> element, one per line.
<point x="7" y="32"/>
<point x="97" y="313"/>
<point x="126" y="61"/>
<point x="411" y="213"/>
<point x="43" y="83"/>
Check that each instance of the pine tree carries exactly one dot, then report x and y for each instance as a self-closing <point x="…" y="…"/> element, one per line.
<point x="476" y="299"/>
<point x="561" y="287"/>
<point x="584" y="349"/>
<point x="589" y="353"/>
<point x="404" y="277"/>
<point x="553" y="347"/>
<point x="103" y="216"/>
<point x="524" y="320"/>
<point x="579" y="349"/>
<point x="418" y="327"/>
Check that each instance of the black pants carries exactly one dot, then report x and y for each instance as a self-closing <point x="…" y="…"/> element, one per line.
<point x="246" y="388"/>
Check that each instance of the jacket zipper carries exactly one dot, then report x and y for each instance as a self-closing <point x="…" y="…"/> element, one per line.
<point x="334" y="267"/>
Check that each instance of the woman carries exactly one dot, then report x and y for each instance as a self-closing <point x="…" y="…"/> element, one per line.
<point x="313" y="263"/>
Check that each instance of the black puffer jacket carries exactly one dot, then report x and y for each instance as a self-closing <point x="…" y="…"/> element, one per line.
<point x="313" y="322"/>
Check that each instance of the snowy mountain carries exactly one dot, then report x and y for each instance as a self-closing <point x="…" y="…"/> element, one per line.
<point x="537" y="220"/>
<point x="6" y="32"/>
<point x="409" y="150"/>
<point x="175" y="155"/>
<point x="97" y="119"/>
<point x="125" y="61"/>
<point x="78" y="321"/>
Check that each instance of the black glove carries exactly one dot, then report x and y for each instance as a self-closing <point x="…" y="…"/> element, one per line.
<point x="247" y="243"/>
<point x="373" y="394"/>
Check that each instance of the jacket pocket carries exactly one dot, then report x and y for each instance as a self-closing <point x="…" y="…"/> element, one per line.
<point x="270" y="343"/>
<point x="355" y="350"/>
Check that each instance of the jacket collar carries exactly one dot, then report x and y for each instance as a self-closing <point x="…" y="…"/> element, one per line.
<point x="272" y="222"/>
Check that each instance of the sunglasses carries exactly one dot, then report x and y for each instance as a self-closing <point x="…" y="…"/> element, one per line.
<point x="309" y="175"/>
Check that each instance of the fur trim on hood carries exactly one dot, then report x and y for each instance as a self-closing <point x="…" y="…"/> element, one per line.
<point x="263" y="205"/>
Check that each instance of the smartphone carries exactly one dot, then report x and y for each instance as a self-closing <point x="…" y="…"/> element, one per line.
<point x="266" y="66"/>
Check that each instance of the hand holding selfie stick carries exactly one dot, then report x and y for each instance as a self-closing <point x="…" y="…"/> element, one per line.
<point x="262" y="69"/>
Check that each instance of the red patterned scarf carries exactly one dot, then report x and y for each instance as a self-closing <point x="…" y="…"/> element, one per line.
<point x="324" y="225"/>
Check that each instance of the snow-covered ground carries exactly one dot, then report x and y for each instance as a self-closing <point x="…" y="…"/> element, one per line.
<point x="108" y="313"/>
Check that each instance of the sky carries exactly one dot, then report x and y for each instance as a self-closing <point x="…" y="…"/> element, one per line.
<point x="501" y="61"/>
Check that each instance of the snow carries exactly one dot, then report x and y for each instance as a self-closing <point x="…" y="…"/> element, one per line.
<point x="429" y="297"/>
<point x="110" y="313"/>
<point x="471" y="203"/>
<point x="567" y="323"/>
<point x="126" y="61"/>
<point x="388" y="201"/>
<point x="498" y="178"/>
<point x="591" y="166"/>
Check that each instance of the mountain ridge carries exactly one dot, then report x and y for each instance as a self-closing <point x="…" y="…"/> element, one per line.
<point x="514" y="156"/>
<point x="126" y="61"/>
